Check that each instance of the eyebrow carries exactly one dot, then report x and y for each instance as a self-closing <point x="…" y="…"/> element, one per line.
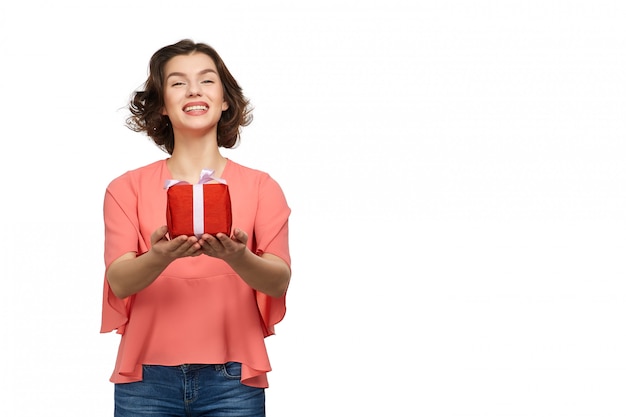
<point x="182" y="74"/>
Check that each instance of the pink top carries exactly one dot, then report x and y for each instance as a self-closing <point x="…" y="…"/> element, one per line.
<point x="199" y="310"/>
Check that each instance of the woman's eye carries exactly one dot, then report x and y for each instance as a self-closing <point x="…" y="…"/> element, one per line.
<point x="177" y="83"/>
<point x="207" y="81"/>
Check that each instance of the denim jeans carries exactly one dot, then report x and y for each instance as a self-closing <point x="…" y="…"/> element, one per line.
<point x="189" y="391"/>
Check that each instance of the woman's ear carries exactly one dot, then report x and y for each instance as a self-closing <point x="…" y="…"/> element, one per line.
<point x="224" y="105"/>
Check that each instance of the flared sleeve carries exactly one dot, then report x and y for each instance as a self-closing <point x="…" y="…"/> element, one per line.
<point x="271" y="235"/>
<point x="121" y="230"/>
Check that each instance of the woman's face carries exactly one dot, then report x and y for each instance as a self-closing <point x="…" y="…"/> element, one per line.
<point x="193" y="94"/>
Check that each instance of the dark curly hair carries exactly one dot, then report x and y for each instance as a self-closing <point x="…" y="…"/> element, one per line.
<point x="146" y="105"/>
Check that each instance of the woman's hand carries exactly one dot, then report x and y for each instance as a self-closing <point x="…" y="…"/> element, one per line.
<point x="224" y="247"/>
<point x="179" y="247"/>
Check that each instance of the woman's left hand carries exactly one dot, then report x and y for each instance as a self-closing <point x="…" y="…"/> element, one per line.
<point x="224" y="247"/>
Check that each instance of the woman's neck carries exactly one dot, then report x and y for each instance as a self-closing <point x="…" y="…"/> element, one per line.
<point x="186" y="162"/>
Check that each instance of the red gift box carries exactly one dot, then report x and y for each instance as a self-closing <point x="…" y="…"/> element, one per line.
<point x="195" y="209"/>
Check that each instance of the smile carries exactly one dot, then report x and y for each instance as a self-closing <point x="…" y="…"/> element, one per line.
<point x="195" y="108"/>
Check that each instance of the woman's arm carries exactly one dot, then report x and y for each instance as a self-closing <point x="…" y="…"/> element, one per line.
<point x="266" y="273"/>
<point x="130" y="273"/>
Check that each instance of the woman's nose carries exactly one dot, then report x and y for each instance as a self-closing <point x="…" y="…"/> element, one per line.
<point x="193" y="90"/>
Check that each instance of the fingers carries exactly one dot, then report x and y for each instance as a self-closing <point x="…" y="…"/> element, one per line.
<point x="184" y="243"/>
<point x="240" y="235"/>
<point x="179" y="247"/>
<point x="158" y="234"/>
<point x="213" y="245"/>
<point x="224" y="246"/>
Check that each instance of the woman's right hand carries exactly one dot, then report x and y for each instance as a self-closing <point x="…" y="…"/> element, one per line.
<point x="179" y="247"/>
<point x="130" y="273"/>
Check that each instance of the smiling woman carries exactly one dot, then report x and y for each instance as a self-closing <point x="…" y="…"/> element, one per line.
<point x="146" y="107"/>
<point x="192" y="308"/>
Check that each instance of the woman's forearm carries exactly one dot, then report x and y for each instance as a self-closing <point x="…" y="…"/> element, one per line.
<point x="130" y="274"/>
<point x="266" y="273"/>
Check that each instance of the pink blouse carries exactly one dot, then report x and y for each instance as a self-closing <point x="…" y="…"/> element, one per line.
<point x="199" y="310"/>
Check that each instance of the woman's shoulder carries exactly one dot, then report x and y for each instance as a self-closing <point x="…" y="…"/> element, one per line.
<point x="243" y="171"/>
<point x="240" y="168"/>
<point x="134" y="175"/>
<point x="253" y="180"/>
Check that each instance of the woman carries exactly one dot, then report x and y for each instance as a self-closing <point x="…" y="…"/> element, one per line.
<point x="193" y="311"/>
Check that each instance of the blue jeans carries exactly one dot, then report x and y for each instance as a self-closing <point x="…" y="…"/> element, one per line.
<point x="189" y="391"/>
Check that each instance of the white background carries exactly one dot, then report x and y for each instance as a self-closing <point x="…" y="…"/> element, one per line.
<point x="456" y="175"/>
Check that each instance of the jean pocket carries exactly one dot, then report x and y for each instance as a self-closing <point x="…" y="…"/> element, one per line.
<point x="232" y="370"/>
